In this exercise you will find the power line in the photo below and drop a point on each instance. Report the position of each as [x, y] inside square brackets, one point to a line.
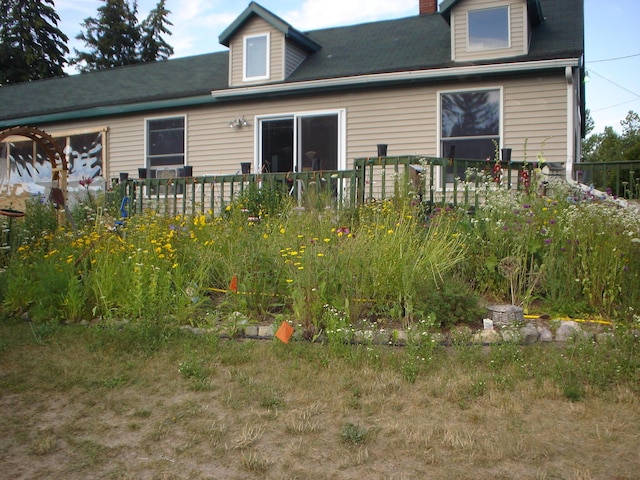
[616, 105]
[613, 83]
[614, 58]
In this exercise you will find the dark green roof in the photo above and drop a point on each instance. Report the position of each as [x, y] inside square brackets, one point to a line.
[413, 43]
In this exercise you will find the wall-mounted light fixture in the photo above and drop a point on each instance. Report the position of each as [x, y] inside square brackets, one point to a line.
[238, 123]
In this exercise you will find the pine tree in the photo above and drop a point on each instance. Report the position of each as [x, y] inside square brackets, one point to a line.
[153, 46]
[113, 38]
[32, 46]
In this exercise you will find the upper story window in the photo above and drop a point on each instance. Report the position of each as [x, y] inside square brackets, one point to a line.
[256, 57]
[165, 142]
[488, 28]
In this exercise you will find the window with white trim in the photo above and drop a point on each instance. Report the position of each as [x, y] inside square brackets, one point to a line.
[488, 28]
[256, 57]
[165, 142]
[470, 122]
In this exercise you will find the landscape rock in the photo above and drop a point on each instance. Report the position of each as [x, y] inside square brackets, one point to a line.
[544, 335]
[265, 331]
[486, 336]
[529, 334]
[566, 330]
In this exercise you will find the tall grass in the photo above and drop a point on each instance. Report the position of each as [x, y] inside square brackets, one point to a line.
[384, 261]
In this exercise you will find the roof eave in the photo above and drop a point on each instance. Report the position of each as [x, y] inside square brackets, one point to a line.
[391, 78]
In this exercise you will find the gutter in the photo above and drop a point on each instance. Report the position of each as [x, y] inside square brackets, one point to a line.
[395, 77]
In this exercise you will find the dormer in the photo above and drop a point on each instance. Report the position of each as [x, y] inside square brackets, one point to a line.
[263, 48]
[490, 29]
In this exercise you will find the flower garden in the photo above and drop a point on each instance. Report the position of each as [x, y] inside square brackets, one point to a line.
[322, 269]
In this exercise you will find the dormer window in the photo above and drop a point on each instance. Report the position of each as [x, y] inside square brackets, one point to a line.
[488, 28]
[256, 57]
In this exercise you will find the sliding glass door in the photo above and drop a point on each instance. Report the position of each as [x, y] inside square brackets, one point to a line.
[301, 142]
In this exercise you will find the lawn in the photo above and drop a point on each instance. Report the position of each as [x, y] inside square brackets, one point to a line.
[158, 402]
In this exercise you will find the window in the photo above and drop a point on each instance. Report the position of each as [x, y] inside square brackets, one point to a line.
[165, 142]
[470, 121]
[302, 142]
[256, 57]
[488, 28]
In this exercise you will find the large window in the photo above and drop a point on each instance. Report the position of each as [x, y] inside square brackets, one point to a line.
[165, 142]
[256, 57]
[488, 28]
[470, 121]
[301, 142]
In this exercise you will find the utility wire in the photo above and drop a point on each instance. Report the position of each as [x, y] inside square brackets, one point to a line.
[612, 59]
[614, 83]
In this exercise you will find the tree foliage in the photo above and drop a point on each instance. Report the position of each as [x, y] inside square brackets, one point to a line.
[610, 146]
[153, 45]
[32, 47]
[115, 37]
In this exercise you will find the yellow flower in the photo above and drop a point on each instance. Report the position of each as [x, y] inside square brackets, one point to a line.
[282, 230]
[289, 280]
[321, 254]
[265, 235]
[327, 240]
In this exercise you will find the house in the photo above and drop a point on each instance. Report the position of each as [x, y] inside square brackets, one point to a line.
[469, 74]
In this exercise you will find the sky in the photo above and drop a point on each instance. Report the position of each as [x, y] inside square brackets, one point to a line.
[612, 36]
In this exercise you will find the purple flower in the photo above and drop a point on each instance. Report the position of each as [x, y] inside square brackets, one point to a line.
[547, 241]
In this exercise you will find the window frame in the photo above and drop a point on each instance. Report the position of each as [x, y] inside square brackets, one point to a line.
[147, 131]
[245, 57]
[479, 48]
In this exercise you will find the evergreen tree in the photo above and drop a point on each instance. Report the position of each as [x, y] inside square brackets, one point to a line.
[113, 38]
[153, 46]
[32, 46]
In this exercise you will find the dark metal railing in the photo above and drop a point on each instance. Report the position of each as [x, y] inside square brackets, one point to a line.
[621, 179]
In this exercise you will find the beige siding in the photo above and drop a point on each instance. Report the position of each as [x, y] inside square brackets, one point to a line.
[535, 111]
[518, 34]
[404, 118]
[294, 56]
[257, 26]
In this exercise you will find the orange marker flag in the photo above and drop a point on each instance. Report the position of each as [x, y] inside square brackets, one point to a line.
[284, 332]
[233, 286]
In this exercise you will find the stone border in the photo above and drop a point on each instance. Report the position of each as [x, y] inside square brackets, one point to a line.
[527, 334]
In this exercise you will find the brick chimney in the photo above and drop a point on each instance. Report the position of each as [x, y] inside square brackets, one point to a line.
[428, 7]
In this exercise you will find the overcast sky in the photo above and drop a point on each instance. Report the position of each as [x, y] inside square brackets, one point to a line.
[612, 38]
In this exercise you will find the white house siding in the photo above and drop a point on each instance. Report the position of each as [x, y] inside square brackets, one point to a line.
[257, 26]
[518, 34]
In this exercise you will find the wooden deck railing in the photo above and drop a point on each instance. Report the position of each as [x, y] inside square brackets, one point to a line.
[459, 182]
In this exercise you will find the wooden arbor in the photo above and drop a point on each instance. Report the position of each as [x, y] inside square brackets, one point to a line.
[56, 156]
